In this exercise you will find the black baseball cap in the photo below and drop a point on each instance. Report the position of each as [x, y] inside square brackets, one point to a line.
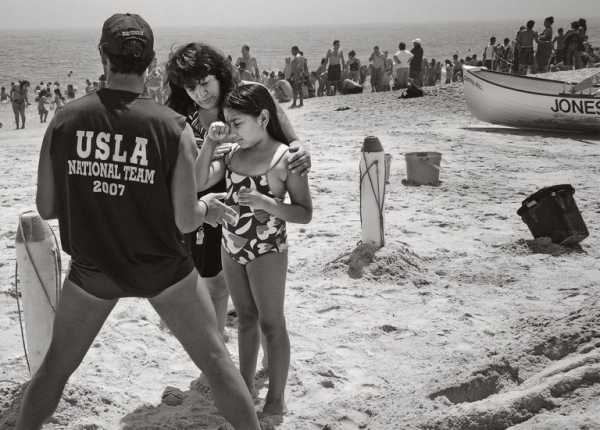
[124, 27]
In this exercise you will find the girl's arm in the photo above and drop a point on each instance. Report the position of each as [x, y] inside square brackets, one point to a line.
[298, 211]
[189, 212]
[209, 172]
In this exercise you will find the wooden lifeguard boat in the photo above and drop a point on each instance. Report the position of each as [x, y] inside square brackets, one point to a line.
[534, 103]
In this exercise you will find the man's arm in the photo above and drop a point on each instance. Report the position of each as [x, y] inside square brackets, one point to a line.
[45, 198]
[256, 71]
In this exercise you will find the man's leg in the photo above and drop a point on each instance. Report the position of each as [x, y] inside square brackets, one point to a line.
[23, 115]
[78, 320]
[294, 94]
[16, 113]
[187, 310]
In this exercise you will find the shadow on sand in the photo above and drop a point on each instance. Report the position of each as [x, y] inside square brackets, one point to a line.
[192, 409]
[590, 138]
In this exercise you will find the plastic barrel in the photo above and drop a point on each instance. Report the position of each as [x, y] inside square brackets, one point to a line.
[552, 212]
[423, 168]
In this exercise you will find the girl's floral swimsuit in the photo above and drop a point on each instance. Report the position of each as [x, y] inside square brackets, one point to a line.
[252, 237]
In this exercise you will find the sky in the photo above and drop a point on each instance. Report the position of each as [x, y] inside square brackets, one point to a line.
[223, 13]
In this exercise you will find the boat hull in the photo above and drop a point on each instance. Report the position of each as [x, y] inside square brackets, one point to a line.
[491, 99]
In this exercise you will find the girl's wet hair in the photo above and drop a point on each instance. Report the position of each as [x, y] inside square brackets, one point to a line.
[251, 99]
[187, 65]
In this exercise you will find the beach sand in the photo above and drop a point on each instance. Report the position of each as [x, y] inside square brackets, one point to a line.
[460, 322]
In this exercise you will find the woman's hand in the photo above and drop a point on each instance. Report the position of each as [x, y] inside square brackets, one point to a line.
[253, 199]
[298, 159]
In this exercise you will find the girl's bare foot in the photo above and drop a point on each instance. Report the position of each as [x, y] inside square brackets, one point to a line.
[277, 407]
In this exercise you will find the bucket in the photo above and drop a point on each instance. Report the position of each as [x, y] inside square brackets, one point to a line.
[552, 212]
[423, 168]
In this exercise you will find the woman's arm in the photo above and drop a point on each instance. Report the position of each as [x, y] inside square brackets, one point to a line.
[298, 157]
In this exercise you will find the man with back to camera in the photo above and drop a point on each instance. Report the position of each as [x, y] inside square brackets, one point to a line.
[117, 170]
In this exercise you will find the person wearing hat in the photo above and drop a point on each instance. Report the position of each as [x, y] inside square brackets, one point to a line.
[117, 170]
[416, 63]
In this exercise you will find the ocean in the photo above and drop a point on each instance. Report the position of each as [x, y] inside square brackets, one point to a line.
[48, 55]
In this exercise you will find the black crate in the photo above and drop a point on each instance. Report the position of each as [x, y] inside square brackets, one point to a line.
[552, 212]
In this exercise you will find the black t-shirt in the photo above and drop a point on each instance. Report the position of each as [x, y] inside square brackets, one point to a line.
[113, 155]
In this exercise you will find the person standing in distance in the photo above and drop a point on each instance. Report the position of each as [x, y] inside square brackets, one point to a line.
[122, 223]
[336, 63]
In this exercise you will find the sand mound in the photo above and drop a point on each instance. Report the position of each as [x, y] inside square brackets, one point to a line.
[77, 402]
[387, 264]
[561, 361]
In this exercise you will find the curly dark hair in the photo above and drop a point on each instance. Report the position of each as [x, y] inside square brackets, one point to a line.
[251, 99]
[191, 63]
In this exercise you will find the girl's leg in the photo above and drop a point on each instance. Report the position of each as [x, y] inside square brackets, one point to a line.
[248, 334]
[267, 276]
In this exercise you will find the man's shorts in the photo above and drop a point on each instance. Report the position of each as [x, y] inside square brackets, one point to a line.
[525, 56]
[100, 285]
[334, 73]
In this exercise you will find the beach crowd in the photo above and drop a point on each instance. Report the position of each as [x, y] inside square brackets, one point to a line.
[407, 69]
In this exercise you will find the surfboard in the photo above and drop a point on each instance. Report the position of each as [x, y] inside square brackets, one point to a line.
[39, 282]
[372, 191]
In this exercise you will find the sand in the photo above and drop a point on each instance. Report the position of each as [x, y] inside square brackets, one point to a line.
[460, 322]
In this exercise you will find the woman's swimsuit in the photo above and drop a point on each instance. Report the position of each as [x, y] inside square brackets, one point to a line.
[251, 237]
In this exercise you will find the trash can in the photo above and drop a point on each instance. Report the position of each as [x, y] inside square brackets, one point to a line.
[552, 212]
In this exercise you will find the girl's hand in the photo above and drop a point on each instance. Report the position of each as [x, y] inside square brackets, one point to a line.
[261, 216]
[253, 199]
[298, 159]
[217, 133]
[221, 151]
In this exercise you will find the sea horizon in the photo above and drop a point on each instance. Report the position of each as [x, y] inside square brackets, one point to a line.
[49, 54]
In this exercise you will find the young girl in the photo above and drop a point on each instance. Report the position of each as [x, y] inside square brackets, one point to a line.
[43, 105]
[254, 246]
